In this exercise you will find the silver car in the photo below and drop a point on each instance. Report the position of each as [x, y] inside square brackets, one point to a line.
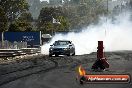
[62, 47]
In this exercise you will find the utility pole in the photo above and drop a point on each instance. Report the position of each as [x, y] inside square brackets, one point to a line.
[2, 40]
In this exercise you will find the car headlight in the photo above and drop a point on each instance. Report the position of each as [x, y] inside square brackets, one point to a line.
[65, 49]
[51, 49]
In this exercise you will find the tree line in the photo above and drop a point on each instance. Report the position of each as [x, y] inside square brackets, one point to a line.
[15, 16]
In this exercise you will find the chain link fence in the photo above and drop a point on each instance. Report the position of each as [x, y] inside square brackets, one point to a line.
[14, 45]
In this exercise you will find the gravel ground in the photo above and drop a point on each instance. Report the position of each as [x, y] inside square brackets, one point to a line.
[61, 72]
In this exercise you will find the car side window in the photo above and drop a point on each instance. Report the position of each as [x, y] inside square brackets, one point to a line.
[56, 43]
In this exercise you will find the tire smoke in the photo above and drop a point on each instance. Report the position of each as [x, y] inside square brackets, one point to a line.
[116, 35]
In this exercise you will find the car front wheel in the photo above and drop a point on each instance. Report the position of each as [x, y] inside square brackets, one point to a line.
[50, 55]
[68, 54]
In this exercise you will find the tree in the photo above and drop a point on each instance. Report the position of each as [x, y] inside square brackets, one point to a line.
[45, 20]
[3, 20]
[130, 3]
[26, 16]
[72, 17]
[13, 8]
[75, 1]
[14, 27]
[85, 13]
[23, 23]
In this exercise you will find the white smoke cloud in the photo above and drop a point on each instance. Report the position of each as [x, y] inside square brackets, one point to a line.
[116, 36]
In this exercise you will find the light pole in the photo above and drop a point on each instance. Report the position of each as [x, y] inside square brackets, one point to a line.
[2, 39]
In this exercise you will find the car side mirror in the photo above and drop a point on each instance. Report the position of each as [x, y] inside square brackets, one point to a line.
[70, 45]
[51, 45]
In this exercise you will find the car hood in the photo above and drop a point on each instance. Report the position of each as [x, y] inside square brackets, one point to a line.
[64, 46]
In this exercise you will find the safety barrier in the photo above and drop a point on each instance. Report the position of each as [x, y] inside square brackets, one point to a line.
[18, 52]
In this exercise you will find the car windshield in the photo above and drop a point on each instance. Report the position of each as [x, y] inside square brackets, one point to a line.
[61, 43]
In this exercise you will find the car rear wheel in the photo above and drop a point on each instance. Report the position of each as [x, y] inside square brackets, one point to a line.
[73, 54]
[56, 55]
